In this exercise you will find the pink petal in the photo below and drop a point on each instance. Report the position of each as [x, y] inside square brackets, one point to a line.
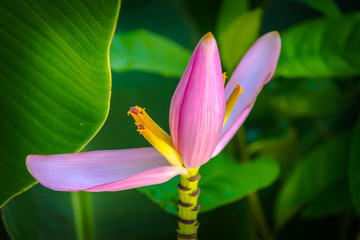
[198, 106]
[253, 72]
[177, 99]
[111, 170]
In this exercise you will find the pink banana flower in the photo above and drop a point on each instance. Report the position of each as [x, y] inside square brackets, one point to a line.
[202, 122]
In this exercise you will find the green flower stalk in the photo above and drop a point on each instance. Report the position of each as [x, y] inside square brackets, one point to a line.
[188, 206]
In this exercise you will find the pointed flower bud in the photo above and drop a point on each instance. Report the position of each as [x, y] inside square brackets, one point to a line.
[198, 105]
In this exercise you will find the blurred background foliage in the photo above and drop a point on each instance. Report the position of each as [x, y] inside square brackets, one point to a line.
[291, 172]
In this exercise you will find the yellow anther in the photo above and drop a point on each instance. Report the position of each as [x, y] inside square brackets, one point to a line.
[141, 127]
[230, 103]
[141, 117]
[224, 77]
[155, 135]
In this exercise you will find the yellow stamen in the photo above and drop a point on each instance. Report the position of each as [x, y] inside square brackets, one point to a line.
[155, 135]
[224, 77]
[230, 103]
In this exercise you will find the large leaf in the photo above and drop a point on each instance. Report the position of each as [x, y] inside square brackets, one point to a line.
[55, 80]
[237, 37]
[146, 51]
[320, 169]
[223, 181]
[325, 47]
[354, 167]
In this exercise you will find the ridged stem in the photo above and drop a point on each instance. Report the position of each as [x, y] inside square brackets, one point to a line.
[188, 206]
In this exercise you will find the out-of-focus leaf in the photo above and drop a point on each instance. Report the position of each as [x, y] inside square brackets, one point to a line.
[43, 214]
[332, 200]
[38, 214]
[238, 36]
[354, 167]
[223, 181]
[236, 222]
[201, 13]
[129, 89]
[229, 11]
[327, 7]
[282, 148]
[283, 14]
[320, 169]
[55, 80]
[142, 50]
[3, 234]
[160, 16]
[305, 97]
[327, 47]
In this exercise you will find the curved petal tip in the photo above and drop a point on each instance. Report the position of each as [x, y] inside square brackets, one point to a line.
[253, 72]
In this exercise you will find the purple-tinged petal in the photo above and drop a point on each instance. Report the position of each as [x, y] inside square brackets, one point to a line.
[253, 72]
[149, 177]
[111, 170]
[225, 138]
[198, 106]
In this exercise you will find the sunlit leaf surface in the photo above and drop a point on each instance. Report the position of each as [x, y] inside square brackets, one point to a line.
[55, 80]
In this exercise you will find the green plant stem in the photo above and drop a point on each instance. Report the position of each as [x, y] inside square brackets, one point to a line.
[254, 203]
[188, 206]
[83, 216]
[258, 215]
